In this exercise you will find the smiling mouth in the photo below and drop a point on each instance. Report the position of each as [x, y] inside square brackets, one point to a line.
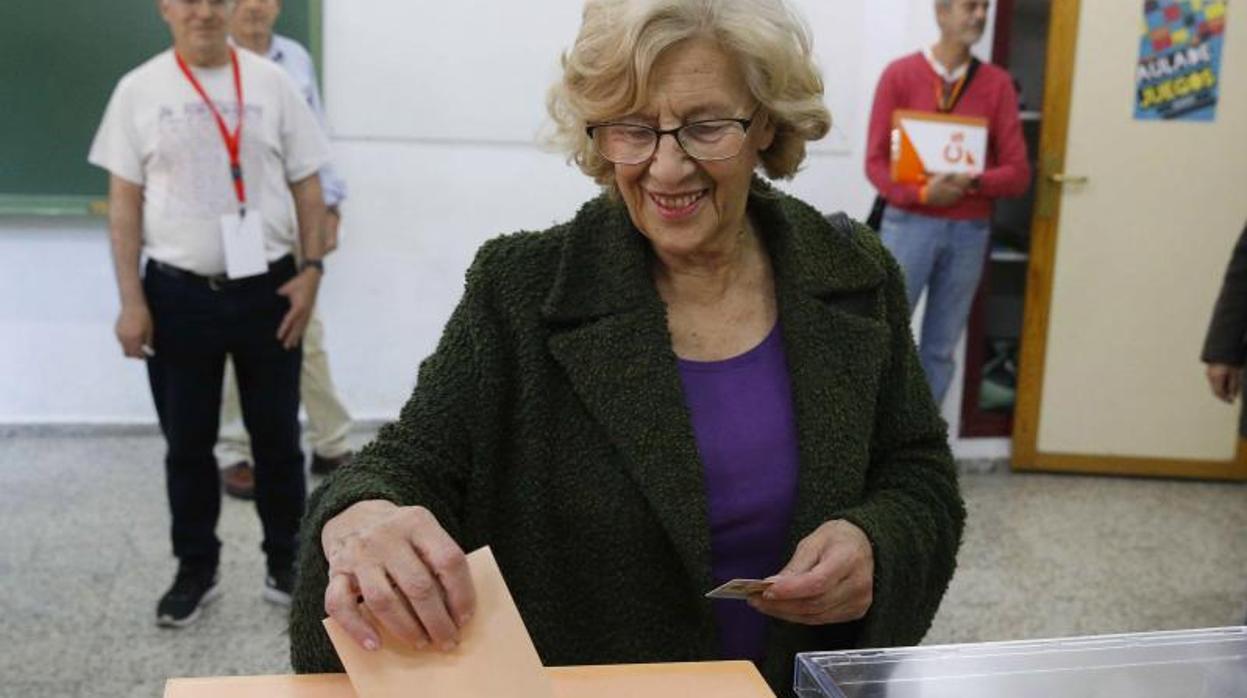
[677, 205]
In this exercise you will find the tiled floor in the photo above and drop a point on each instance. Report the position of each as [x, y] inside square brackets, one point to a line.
[84, 555]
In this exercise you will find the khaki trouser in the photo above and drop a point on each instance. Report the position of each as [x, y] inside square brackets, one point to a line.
[328, 420]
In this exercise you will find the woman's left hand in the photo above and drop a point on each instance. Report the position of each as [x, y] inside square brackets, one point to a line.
[830, 578]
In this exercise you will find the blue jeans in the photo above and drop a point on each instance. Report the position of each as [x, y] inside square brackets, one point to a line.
[195, 327]
[946, 258]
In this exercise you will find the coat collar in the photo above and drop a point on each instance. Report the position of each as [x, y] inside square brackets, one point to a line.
[608, 331]
[604, 266]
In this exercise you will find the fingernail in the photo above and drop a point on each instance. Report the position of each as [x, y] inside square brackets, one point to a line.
[768, 595]
[465, 619]
[370, 644]
[449, 646]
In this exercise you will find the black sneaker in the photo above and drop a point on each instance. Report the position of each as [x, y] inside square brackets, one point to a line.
[181, 604]
[278, 586]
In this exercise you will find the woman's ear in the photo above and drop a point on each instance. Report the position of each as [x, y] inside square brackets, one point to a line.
[766, 134]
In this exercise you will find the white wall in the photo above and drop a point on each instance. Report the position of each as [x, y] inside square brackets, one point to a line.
[435, 107]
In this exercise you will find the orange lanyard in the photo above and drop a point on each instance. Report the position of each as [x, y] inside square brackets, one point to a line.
[946, 97]
[233, 141]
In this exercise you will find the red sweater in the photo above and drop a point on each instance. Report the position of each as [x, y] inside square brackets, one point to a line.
[909, 83]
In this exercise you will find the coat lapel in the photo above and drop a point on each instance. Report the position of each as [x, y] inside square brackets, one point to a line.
[828, 287]
[834, 362]
[609, 334]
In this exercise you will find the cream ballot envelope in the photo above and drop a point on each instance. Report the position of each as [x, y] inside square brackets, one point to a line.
[495, 656]
[926, 143]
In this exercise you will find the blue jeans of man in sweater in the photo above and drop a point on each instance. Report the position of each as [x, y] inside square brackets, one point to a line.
[946, 258]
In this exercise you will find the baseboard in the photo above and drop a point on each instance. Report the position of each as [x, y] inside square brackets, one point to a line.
[121, 429]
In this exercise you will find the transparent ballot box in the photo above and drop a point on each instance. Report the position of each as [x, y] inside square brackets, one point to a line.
[1209, 663]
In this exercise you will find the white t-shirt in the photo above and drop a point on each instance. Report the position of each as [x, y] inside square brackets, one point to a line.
[158, 133]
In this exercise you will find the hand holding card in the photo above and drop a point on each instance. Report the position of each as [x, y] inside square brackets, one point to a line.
[739, 589]
[830, 578]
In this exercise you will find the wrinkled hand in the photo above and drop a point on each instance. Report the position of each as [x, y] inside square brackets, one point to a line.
[134, 331]
[1226, 381]
[333, 220]
[947, 189]
[411, 575]
[301, 292]
[830, 578]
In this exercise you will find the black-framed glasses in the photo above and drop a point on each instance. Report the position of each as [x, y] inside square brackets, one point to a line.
[705, 140]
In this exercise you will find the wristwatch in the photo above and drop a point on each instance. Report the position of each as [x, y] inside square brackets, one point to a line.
[317, 264]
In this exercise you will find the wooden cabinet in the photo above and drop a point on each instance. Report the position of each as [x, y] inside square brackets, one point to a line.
[994, 330]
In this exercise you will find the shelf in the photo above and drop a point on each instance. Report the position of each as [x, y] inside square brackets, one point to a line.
[1009, 256]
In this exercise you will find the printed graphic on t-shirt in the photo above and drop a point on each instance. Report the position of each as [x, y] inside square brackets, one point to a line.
[199, 182]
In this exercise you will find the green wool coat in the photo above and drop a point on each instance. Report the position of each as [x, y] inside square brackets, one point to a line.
[550, 424]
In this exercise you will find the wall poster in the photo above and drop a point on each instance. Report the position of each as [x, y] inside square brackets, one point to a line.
[1179, 71]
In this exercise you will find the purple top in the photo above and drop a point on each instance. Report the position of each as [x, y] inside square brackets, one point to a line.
[746, 433]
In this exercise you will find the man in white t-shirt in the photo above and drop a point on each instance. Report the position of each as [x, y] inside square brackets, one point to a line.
[207, 147]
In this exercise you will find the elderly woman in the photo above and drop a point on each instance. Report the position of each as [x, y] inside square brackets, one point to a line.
[697, 378]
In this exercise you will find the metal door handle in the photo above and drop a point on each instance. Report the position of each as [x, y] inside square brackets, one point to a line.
[1062, 178]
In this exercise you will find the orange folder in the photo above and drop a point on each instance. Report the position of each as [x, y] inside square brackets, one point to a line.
[926, 143]
[683, 680]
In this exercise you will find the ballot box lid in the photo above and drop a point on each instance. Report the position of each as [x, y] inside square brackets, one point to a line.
[1206, 663]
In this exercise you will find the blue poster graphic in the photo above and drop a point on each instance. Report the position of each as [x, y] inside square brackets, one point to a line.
[1179, 71]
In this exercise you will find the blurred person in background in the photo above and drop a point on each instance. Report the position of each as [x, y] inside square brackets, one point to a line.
[328, 421]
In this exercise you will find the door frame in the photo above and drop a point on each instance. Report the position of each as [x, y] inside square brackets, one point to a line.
[1058, 86]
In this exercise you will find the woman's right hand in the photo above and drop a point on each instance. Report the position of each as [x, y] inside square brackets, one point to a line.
[401, 565]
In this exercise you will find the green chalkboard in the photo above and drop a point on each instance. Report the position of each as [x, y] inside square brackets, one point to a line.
[59, 62]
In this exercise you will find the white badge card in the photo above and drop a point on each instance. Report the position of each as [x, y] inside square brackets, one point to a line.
[243, 237]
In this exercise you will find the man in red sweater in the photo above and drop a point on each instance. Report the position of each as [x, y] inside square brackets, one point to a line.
[939, 231]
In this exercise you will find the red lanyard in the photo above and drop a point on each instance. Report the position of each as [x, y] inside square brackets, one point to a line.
[233, 142]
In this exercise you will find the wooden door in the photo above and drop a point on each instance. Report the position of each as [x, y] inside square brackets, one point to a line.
[1125, 265]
